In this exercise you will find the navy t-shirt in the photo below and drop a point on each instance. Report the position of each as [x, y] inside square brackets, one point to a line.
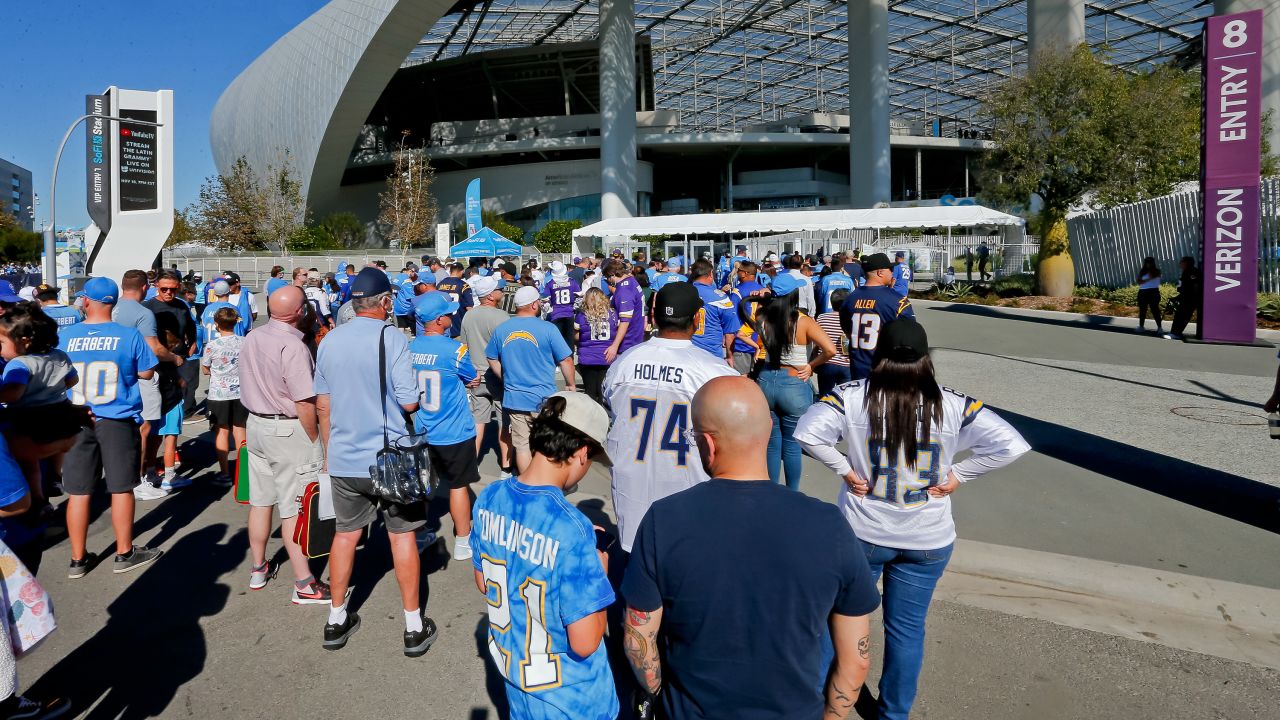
[745, 612]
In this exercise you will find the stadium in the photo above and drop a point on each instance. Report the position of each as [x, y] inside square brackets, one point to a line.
[573, 110]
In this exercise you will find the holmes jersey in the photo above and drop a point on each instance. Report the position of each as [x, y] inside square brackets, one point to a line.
[441, 366]
[866, 311]
[648, 390]
[537, 554]
[108, 358]
[716, 319]
[898, 511]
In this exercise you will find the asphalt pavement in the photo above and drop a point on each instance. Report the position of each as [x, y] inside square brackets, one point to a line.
[1122, 487]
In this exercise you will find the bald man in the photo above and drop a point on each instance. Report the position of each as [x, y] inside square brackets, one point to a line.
[283, 436]
[749, 616]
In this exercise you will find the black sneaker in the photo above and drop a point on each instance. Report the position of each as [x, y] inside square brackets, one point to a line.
[18, 707]
[78, 568]
[416, 644]
[139, 556]
[336, 636]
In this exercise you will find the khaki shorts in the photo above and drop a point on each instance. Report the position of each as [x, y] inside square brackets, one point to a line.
[485, 402]
[519, 424]
[282, 460]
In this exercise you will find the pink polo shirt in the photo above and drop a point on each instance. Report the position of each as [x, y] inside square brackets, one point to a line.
[276, 370]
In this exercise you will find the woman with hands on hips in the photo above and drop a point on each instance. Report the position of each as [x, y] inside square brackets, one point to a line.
[902, 431]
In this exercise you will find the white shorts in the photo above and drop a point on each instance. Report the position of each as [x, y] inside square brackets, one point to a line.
[151, 405]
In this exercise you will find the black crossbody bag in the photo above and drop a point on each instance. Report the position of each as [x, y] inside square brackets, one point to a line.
[402, 472]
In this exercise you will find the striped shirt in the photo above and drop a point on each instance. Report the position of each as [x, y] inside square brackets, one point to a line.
[830, 324]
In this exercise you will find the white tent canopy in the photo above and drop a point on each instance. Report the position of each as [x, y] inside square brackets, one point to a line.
[941, 216]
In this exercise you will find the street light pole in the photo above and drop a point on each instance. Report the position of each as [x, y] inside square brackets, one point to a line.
[50, 233]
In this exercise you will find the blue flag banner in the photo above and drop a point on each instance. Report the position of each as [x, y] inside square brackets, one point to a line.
[473, 208]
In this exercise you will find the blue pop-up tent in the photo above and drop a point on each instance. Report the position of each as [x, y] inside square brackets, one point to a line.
[485, 243]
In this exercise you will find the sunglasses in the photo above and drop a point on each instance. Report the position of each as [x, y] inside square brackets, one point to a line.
[166, 289]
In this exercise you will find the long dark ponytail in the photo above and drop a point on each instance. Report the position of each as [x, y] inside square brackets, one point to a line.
[775, 321]
[904, 404]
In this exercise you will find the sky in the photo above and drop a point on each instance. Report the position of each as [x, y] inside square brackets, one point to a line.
[57, 51]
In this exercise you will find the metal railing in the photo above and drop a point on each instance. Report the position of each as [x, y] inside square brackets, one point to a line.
[1108, 246]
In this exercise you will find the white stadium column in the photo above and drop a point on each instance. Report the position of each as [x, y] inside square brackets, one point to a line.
[1053, 25]
[868, 102]
[617, 109]
[1270, 55]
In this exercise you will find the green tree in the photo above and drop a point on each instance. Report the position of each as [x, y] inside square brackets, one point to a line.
[284, 210]
[408, 209]
[227, 213]
[182, 232]
[556, 236]
[344, 229]
[498, 224]
[311, 237]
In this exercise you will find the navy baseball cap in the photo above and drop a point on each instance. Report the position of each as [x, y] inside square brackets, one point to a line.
[103, 290]
[7, 294]
[370, 282]
[431, 305]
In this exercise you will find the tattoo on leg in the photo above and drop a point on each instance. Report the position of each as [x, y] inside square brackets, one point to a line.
[864, 647]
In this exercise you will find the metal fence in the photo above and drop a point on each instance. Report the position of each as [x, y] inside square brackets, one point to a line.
[1108, 245]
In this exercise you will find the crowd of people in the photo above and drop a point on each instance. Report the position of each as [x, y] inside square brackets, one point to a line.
[696, 384]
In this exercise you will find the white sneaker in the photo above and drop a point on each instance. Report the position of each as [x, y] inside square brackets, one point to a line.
[462, 547]
[147, 491]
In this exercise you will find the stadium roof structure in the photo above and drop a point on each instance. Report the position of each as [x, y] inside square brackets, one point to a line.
[727, 64]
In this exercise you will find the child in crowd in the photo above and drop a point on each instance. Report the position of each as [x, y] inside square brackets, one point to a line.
[597, 324]
[221, 362]
[40, 422]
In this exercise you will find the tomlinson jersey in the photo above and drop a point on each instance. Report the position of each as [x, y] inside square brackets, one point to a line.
[562, 292]
[442, 369]
[865, 313]
[648, 390]
[716, 319]
[537, 554]
[898, 511]
[108, 358]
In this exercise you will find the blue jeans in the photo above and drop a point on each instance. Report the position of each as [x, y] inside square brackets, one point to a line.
[830, 376]
[909, 579]
[788, 398]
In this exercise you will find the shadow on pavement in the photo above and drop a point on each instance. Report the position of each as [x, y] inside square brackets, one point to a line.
[1218, 492]
[1087, 322]
[152, 642]
[494, 684]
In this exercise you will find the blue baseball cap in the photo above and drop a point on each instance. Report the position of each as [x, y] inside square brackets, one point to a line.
[7, 294]
[429, 306]
[103, 290]
[673, 264]
[784, 284]
[369, 282]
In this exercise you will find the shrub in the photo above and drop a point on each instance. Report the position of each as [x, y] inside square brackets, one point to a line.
[1080, 305]
[556, 236]
[1092, 292]
[1269, 306]
[1015, 286]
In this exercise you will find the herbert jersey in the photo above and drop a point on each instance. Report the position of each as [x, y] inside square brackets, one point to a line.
[108, 358]
[537, 554]
[442, 369]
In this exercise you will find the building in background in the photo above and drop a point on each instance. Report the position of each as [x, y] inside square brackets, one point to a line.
[16, 194]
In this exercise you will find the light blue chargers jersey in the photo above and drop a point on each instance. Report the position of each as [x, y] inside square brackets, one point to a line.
[666, 277]
[538, 557]
[529, 350]
[716, 319]
[403, 304]
[62, 314]
[442, 368]
[831, 283]
[208, 329]
[108, 358]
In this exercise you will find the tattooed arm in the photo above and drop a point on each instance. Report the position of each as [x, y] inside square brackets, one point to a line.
[640, 639]
[852, 639]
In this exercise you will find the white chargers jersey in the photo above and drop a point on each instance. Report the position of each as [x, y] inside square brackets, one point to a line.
[898, 511]
[648, 390]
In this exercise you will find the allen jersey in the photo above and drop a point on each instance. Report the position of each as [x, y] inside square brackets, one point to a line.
[537, 554]
[898, 511]
[715, 319]
[442, 369]
[865, 313]
[107, 357]
[648, 390]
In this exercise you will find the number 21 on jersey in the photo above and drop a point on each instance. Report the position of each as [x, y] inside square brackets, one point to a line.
[539, 668]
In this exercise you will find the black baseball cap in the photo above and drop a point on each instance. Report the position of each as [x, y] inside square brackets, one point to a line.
[678, 299]
[903, 340]
[45, 290]
[231, 277]
[876, 261]
[370, 282]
